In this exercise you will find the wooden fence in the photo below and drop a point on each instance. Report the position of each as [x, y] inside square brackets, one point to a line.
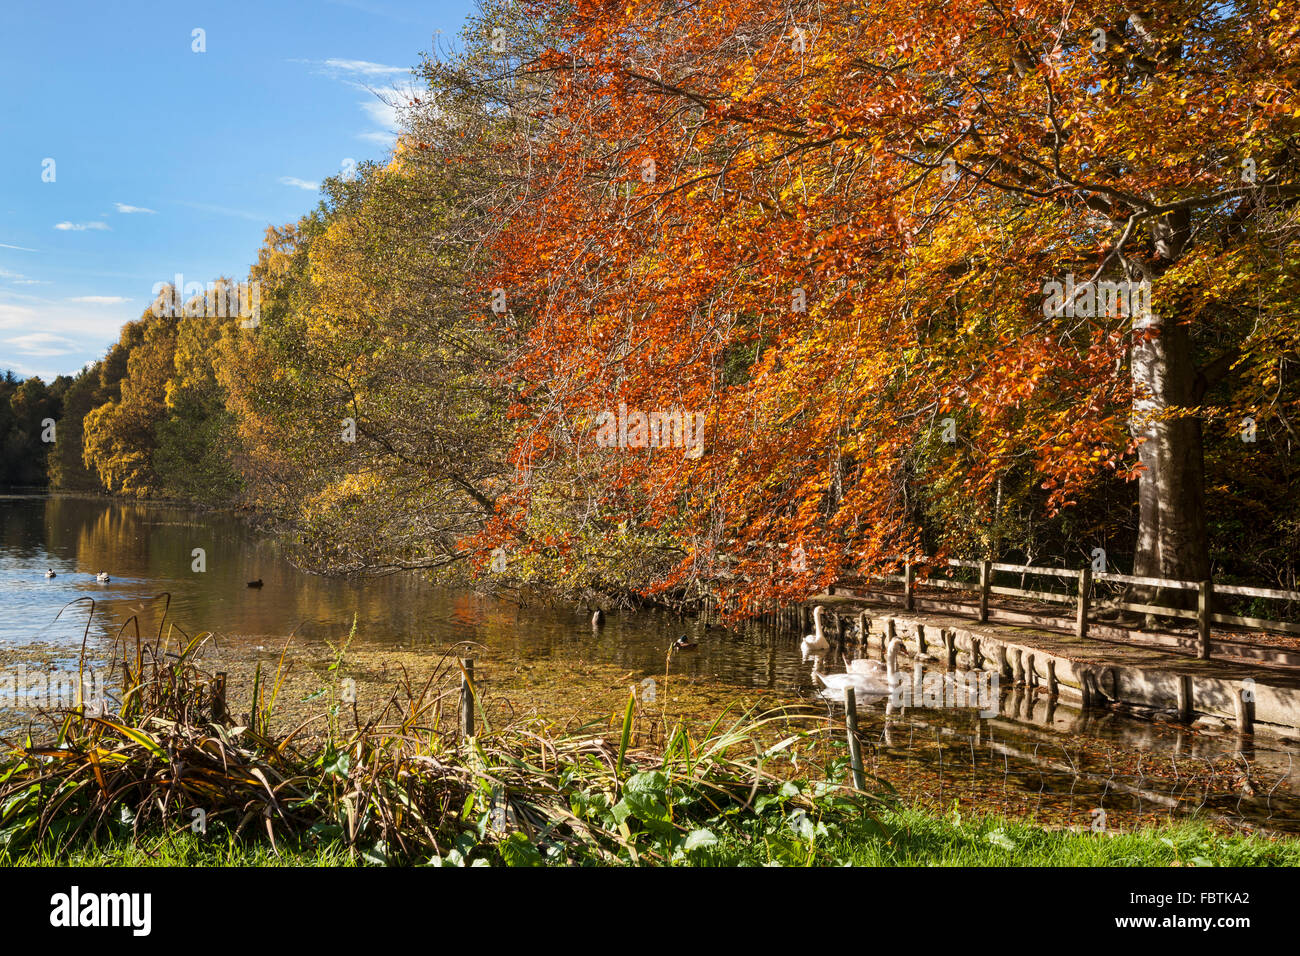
[1085, 602]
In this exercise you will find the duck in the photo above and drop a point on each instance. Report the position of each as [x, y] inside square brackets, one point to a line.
[102, 577]
[597, 618]
[683, 643]
[255, 584]
[865, 679]
[816, 642]
[50, 573]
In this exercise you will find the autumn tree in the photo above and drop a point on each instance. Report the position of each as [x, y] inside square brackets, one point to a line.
[835, 227]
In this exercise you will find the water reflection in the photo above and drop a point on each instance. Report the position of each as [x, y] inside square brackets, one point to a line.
[1033, 755]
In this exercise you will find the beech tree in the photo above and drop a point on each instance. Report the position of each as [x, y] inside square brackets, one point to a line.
[833, 226]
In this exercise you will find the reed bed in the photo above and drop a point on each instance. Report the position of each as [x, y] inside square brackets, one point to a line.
[403, 785]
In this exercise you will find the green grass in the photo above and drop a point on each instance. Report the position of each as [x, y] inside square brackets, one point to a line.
[916, 838]
[187, 851]
[903, 837]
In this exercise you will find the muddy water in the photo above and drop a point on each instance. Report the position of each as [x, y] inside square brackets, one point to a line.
[1035, 758]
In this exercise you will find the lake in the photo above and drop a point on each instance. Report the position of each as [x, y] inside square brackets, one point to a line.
[1037, 758]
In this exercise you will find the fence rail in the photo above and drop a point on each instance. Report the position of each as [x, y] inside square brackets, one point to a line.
[1085, 602]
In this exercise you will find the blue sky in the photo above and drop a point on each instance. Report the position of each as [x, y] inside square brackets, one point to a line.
[171, 161]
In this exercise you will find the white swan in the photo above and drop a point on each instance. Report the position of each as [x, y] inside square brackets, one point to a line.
[864, 666]
[102, 577]
[816, 642]
[865, 679]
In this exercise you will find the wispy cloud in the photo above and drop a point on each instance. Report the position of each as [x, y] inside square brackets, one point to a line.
[391, 89]
[87, 331]
[125, 209]
[100, 299]
[300, 183]
[41, 345]
[5, 245]
[336, 66]
[81, 226]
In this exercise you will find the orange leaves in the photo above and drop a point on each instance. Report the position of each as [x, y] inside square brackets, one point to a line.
[842, 257]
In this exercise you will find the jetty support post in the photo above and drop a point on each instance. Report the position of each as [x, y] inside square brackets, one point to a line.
[1244, 701]
[1185, 698]
[909, 581]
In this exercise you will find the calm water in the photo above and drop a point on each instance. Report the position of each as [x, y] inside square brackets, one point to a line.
[147, 549]
[1035, 758]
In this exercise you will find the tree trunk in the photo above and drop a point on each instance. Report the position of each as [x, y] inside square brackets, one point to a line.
[1172, 541]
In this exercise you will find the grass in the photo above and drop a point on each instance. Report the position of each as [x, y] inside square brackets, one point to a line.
[915, 838]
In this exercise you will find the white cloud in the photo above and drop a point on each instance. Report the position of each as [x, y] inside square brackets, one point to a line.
[125, 209]
[81, 226]
[42, 345]
[385, 103]
[31, 282]
[336, 65]
[300, 183]
[87, 332]
[100, 299]
[5, 245]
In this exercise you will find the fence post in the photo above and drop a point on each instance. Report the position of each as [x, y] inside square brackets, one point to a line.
[985, 573]
[855, 748]
[909, 578]
[1085, 591]
[1204, 601]
[467, 696]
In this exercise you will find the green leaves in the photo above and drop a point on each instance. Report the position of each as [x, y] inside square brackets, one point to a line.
[645, 797]
[518, 850]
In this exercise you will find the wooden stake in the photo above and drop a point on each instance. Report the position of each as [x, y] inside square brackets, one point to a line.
[855, 748]
[467, 696]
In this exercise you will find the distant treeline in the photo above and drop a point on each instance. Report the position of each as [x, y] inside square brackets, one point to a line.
[26, 408]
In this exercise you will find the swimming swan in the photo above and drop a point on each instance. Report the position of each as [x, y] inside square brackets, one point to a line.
[816, 642]
[864, 679]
